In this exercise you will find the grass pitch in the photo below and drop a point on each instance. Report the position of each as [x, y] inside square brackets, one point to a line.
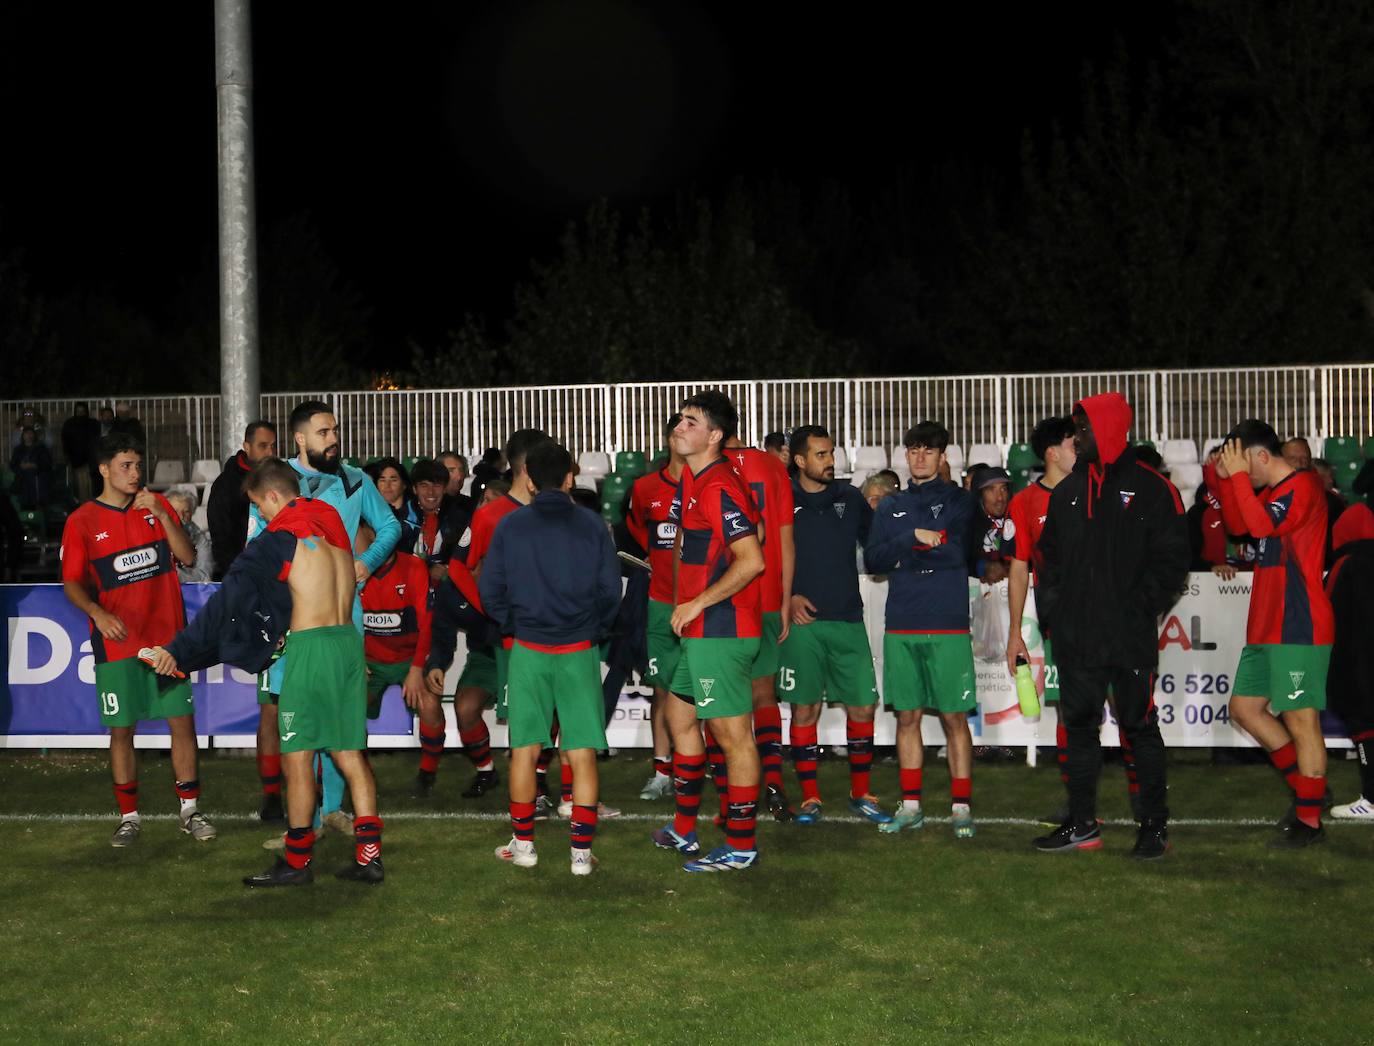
[839, 935]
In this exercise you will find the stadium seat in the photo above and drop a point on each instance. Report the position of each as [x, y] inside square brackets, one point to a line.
[954, 454]
[660, 455]
[169, 472]
[981, 454]
[1186, 475]
[841, 462]
[1021, 478]
[1346, 471]
[201, 517]
[1179, 452]
[1020, 456]
[1368, 449]
[593, 463]
[870, 459]
[859, 476]
[409, 463]
[357, 463]
[1188, 495]
[613, 490]
[205, 471]
[32, 522]
[585, 482]
[1144, 443]
[1340, 449]
[630, 463]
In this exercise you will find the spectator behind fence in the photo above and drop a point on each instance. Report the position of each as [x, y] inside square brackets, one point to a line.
[878, 486]
[1208, 540]
[126, 422]
[776, 444]
[227, 505]
[29, 418]
[31, 463]
[183, 500]
[79, 433]
[1335, 503]
[987, 559]
[457, 467]
[1298, 453]
[492, 466]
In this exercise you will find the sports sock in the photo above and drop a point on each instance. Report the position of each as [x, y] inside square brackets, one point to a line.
[742, 817]
[804, 755]
[188, 792]
[1128, 762]
[715, 755]
[960, 790]
[541, 771]
[477, 745]
[1285, 761]
[768, 740]
[565, 771]
[859, 737]
[688, 771]
[300, 843]
[663, 766]
[1061, 750]
[269, 773]
[126, 795]
[583, 827]
[1310, 792]
[1364, 745]
[910, 781]
[431, 748]
[522, 821]
[367, 838]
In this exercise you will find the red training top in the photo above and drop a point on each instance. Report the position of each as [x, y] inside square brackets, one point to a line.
[1025, 522]
[473, 545]
[396, 615]
[310, 517]
[651, 503]
[714, 510]
[771, 486]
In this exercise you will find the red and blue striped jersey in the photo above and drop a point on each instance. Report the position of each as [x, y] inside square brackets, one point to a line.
[651, 502]
[396, 616]
[713, 510]
[768, 481]
[1287, 602]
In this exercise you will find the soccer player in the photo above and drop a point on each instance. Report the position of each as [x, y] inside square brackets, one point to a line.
[119, 556]
[322, 476]
[1291, 627]
[443, 519]
[551, 580]
[919, 539]
[396, 627]
[651, 501]
[1114, 555]
[717, 616]
[767, 479]
[826, 655]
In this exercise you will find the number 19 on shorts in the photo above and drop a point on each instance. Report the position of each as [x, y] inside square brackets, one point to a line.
[109, 703]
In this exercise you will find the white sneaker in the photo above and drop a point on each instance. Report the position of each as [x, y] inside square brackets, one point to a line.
[519, 853]
[657, 787]
[603, 812]
[582, 862]
[1360, 810]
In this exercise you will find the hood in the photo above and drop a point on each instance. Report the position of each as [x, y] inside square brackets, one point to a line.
[1111, 417]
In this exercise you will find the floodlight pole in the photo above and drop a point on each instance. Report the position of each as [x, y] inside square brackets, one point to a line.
[240, 383]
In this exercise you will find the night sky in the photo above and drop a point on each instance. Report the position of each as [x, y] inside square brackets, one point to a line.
[439, 147]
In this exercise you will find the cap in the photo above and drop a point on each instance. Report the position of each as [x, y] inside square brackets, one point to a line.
[987, 477]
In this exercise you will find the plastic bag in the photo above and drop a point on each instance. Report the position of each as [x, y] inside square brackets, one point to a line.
[991, 625]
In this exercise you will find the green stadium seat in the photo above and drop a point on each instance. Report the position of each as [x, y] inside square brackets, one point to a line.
[1369, 448]
[1337, 449]
[32, 522]
[614, 488]
[661, 454]
[357, 463]
[1144, 443]
[1020, 456]
[1346, 471]
[1020, 479]
[409, 463]
[630, 463]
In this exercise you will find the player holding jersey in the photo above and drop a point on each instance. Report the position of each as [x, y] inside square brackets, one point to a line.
[1291, 627]
[119, 557]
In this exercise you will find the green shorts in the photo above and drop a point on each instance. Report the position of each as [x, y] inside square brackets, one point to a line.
[664, 646]
[131, 692]
[1051, 676]
[766, 660]
[1290, 675]
[502, 683]
[479, 671]
[543, 684]
[928, 670]
[265, 695]
[380, 676]
[828, 660]
[323, 702]
[714, 674]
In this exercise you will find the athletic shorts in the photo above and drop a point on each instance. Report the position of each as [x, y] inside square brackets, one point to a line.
[266, 695]
[131, 692]
[766, 660]
[714, 674]
[479, 671]
[827, 660]
[542, 684]
[323, 702]
[930, 671]
[503, 677]
[1290, 675]
[664, 646]
[1051, 676]
[380, 676]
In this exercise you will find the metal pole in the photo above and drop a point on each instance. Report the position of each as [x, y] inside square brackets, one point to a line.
[240, 384]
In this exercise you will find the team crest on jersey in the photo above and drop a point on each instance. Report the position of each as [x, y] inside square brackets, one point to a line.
[935, 510]
[1009, 530]
[466, 539]
[150, 521]
[839, 509]
[400, 590]
[1126, 497]
[706, 685]
[1296, 677]
[287, 718]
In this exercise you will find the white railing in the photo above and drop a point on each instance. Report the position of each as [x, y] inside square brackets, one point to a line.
[1317, 401]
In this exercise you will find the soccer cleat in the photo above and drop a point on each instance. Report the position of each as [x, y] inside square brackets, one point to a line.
[337, 821]
[811, 811]
[483, 783]
[543, 808]
[582, 862]
[1296, 836]
[371, 873]
[1360, 810]
[900, 821]
[423, 788]
[603, 812]
[127, 833]
[519, 853]
[667, 839]
[962, 821]
[867, 806]
[271, 811]
[281, 874]
[1152, 840]
[1054, 820]
[1291, 816]
[1136, 815]
[723, 859]
[1071, 835]
[657, 787]
[777, 805]
[198, 827]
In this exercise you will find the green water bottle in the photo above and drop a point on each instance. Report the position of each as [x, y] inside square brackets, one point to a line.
[1025, 691]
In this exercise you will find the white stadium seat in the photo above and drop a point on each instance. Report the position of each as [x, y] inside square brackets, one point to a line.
[982, 454]
[594, 464]
[586, 482]
[169, 472]
[954, 454]
[205, 471]
[1179, 452]
[872, 459]
[1188, 496]
[201, 517]
[1186, 476]
[860, 475]
[841, 462]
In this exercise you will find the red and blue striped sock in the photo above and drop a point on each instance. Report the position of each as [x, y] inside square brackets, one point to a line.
[431, 747]
[715, 755]
[522, 821]
[688, 771]
[565, 772]
[804, 756]
[768, 740]
[910, 780]
[1311, 791]
[742, 817]
[269, 773]
[859, 737]
[300, 845]
[583, 827]
[1285, 760]
[367, 838]
[126, 795]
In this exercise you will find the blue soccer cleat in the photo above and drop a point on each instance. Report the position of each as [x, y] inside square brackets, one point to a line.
[810, 812]
[867, 806]
[723, 859]
[667, 839]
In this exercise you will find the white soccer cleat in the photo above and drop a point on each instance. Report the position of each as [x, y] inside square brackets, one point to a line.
[1360, 810]
[519, 853]
[583, 863]
[657, 787]
[603, 812]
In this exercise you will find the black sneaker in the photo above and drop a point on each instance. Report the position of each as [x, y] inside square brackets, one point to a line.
[1297, 835]
[1071, 835]
[777, 804]
[424, 785]
[371, 873]
[1152, 840]
[281, 874]
[483, 783]
[1291, 816]
[271, 811]
[1060, 816]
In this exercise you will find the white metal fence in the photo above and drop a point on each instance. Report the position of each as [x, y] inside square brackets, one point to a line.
[983, 408]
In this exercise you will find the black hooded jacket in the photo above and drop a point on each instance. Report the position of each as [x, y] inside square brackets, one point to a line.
[1116, 552]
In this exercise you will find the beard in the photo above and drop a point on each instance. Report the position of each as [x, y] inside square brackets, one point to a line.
[323, 461]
